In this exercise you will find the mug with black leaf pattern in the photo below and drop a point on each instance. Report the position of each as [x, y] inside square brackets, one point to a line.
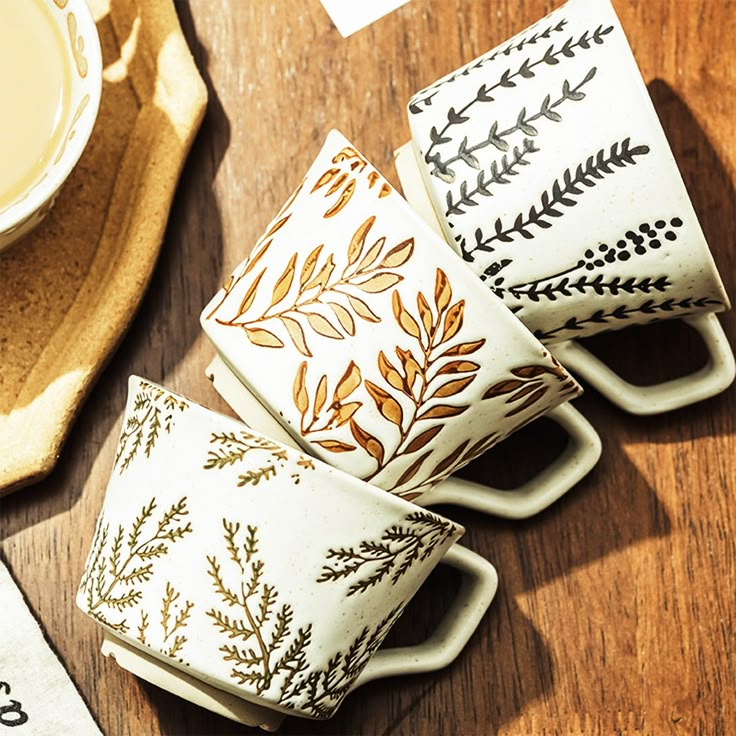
[379, 352]
[545, 166]
[254, 580]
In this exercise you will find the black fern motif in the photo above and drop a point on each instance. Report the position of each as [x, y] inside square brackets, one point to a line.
[496, 138]
[424, 98]
[644, 239]
[499, 174]
[560, 195]
[525, 71]
[623, 312]
[321, 690]
[394, 554]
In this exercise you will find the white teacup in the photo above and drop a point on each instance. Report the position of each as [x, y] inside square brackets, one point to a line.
[545, 166]
[379, 352]
[255, 580]
[71, 51]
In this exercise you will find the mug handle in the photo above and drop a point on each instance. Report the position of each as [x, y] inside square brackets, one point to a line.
[477, 590]
[710, 380]
[581, 454]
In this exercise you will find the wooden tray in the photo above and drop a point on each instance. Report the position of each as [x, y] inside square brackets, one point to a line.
[68, 291]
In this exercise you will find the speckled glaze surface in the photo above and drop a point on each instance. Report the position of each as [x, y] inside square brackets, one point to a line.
[550, 173]
[370, 340]
[247, 564]
[78, 28]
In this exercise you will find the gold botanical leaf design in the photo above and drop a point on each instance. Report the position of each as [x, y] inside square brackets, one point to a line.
[264, 648]
[337, 181]
[174, 618]
[392, 555]
[318, 297]
[234, 448]
[420, 381]
[528, 386]
[259, 250]
[154, 411]
[115, 572]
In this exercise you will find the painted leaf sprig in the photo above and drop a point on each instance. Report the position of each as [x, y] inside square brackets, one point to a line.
[264, 648]
[114, 575]
[314, 296]
[174, 618]
[424, 98]
[615, 317]
[321, 690]
[528, 387]
[259, 250]
[547, 110]
[561, 194]
[154, 411]
[394, 554]
[511, 77]
[341, 184]
[420, 386]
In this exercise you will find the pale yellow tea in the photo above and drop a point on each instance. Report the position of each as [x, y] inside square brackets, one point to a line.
[35, 89]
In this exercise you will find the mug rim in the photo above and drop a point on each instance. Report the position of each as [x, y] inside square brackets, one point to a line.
[325, 469]
[40, 191]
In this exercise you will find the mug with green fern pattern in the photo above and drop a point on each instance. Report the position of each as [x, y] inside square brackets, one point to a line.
[544, 165]
[353, 332]
[253, 580]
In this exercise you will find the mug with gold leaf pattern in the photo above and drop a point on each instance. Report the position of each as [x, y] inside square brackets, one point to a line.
[254, 580]
[378, 350]
[50, 89]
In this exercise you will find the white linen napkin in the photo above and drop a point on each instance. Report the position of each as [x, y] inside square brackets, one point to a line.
[37, 698]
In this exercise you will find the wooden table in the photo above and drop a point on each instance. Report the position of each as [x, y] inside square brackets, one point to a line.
[616, 608]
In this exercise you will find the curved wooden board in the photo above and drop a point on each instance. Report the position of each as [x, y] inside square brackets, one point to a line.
[69, 290]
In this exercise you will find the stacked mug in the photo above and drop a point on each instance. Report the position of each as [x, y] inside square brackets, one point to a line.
[264, 561]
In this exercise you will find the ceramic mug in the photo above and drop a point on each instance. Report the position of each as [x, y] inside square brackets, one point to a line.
[546, 167]
[258, 571]
[75, 26]
[380, 352]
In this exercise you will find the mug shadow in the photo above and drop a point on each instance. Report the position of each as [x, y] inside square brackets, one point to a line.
[166, 323]
[664, 350]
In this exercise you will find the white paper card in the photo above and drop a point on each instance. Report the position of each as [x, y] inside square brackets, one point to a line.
[350, 16]
[37, 698]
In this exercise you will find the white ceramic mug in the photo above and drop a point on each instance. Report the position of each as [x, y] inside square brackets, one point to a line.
[76, 25]
[253, 579]
[545, 166]
[380, 352]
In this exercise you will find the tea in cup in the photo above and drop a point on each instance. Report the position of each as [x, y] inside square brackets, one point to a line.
[50, 90]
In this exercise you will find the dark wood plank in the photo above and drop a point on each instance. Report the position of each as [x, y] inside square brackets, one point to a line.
[616, 607]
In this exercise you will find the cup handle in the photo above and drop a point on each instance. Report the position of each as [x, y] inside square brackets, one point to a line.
[477, 590]
[581, 454]
[711, 379]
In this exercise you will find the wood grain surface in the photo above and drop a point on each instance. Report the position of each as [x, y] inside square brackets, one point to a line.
[615, 613]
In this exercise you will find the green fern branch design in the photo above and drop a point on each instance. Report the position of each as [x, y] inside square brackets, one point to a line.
[321, 691]
[393, 554]
[624, 312]
[497, 138]
[559, 196]
[265, 647]
[425, 97]
[153, 412]
[233, 449]
[113, 578]
[525, 71]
